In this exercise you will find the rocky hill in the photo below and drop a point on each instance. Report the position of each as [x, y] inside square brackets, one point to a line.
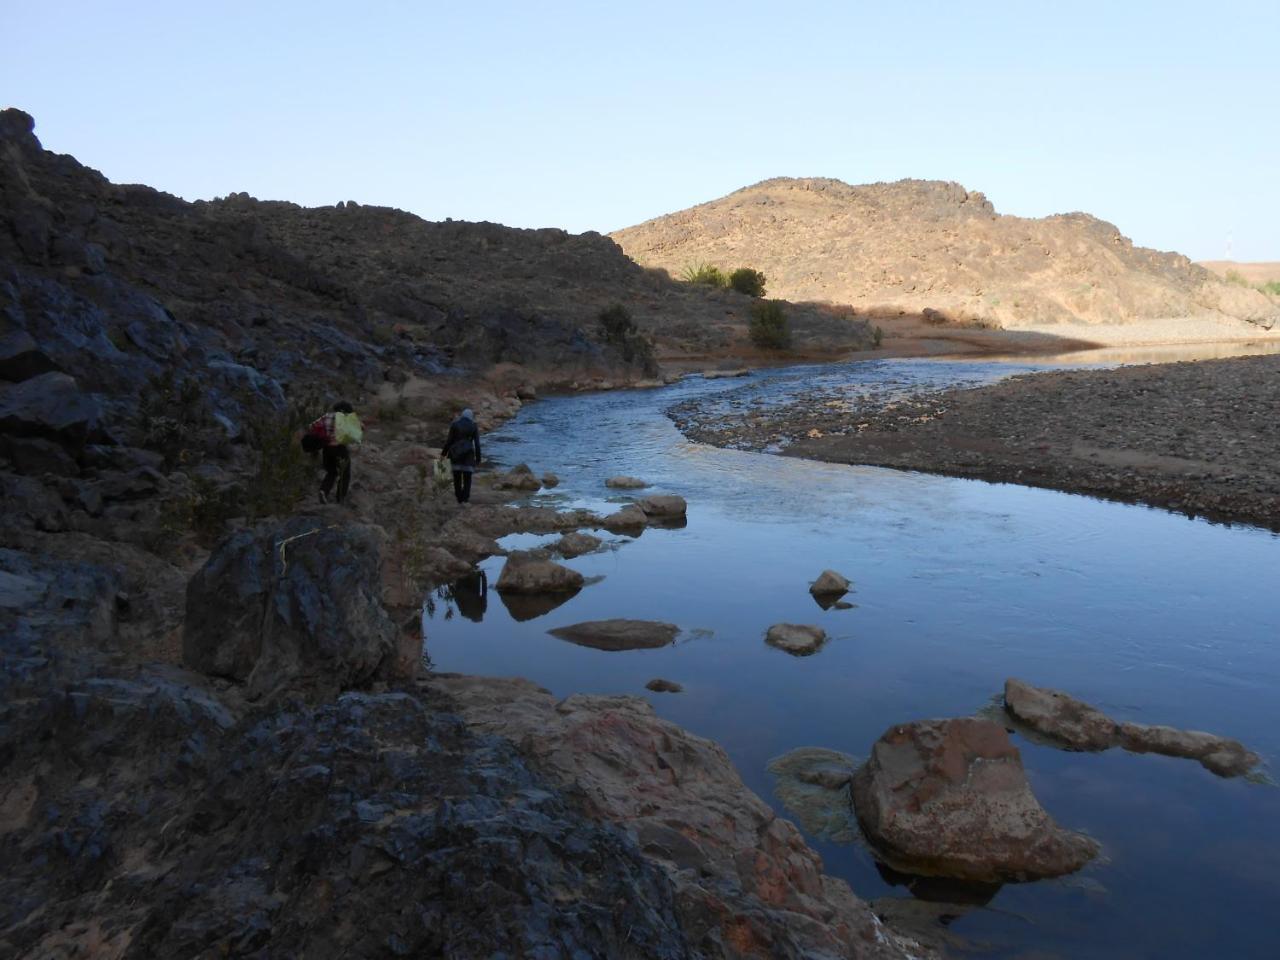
[933, 248]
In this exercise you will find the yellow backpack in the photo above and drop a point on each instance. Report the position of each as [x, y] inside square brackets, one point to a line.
[347, 429]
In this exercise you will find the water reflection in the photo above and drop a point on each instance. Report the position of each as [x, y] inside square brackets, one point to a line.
[529, 606]
[471, 594]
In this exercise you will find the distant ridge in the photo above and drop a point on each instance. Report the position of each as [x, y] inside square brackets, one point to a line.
[934, 248]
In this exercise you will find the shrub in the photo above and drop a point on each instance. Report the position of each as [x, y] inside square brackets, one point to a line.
[769, 327]
[285, 473]
[172, 414]
[705, 274]
[620, 332]
[748, 281]
[876, 336]
[1237, 278]
[1271, 288]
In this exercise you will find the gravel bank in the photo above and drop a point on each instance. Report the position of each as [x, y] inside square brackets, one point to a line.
[1200, 438]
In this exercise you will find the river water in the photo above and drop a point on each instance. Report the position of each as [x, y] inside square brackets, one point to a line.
[958, 584]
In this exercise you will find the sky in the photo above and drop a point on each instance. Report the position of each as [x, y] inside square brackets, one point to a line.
[1159, 117]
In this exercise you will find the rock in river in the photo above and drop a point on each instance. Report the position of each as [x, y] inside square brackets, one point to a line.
[1060, 717]
[667, 507]
[575, 544]
[829, 584]
[526, 575]
[616, 635]
[797, 639]
[949, 798]
[625, 483]
[1220, 755]
[659, 685]
[630, 520]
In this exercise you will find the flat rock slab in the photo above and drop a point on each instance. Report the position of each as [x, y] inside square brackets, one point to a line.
[949, 798]
[1074, 724]
[615, 635]
[797, 639]
[625, 483]
[658, 685]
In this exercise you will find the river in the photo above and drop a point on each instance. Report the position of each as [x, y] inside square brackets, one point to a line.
[958, 584]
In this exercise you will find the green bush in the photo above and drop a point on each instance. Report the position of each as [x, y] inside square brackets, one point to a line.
[285, 472]
[748, 281]
[1237, 278]
[769, 327]
[705, 274]
[1271, 288]
[620, 331]
[876, 336]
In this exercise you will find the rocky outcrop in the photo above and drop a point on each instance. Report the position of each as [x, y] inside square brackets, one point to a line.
[293, 603]
[746, 885]
[797, 639]
[949, 798]
[1066, 721]
[617, 635]
[524, 574]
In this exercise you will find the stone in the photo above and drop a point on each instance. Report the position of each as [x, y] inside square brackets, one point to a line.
[813, 784]
[518, 478]
[1220, 755]
[629, 520]
[521, 574]
[625, 483]
[799, 640]
[1060, 717]
[297, 602]
[665, 507]
[36, 456]
[829, 584]
[49, 405]
[550, 480]
[21, 357]
[725, 374]
[950, 798]
[575, 544]
[658, 685]
[614, 635]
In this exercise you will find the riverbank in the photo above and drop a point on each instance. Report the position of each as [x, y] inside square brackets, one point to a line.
[1197, 438]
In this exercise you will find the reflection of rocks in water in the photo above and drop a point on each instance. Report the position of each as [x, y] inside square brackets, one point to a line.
[471, 595]
[946, 890]
[615, 635]
[813, 784]
[935, 903]
[827, 602]
[529, 606]
[669, 523]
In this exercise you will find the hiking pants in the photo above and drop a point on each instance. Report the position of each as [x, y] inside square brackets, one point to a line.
[337, 466]
[462, 485]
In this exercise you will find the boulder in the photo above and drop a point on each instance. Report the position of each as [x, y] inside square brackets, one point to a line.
[21, 357]
[829, 584]
[667, 507]
[550, 480]
[1060, 717]
[625, 483]
[294, 602]
[949, 798]
[615, 635]
[658, 685]
[799, 640]
[1220, 755]
[522, 574]
[49, 405]
[629, 520]
[575, 544]
[518, 478]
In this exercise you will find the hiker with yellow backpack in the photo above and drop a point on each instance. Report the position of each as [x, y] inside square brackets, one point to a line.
[333, 435]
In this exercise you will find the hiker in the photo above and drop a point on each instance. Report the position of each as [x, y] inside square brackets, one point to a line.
[333, 435]
[463, 450]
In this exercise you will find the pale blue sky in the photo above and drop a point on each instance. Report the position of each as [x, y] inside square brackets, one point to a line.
[1160, 117]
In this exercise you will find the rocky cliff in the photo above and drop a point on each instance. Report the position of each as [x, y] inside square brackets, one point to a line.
[934, 248]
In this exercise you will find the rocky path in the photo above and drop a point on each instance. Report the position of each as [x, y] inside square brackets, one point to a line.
[1199, 438]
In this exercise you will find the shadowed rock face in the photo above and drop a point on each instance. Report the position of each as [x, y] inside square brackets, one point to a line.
[617, 635]
[949, 798]
[297, 602]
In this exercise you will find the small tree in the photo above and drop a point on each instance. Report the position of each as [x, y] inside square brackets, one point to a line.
[620, 331]
[748, 281]
[769, 327]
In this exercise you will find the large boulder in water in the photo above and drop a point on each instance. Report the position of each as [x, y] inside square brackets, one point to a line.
[299, 601]
[830, 584]
[949, 798]
[797, 639]
[664, 507]
[524, 574]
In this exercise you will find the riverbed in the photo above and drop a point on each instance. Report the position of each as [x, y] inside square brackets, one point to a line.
[958, 584]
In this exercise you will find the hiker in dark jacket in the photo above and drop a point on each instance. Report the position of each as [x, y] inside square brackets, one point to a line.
[463, 450]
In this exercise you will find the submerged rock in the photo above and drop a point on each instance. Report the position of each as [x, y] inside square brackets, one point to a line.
[1060, 717]
[293, 602]
[949, 798]
[1220, 755]
[813, 784]
[617, 635]
[658, 685]
[625, 483]
[799, 640]
[522, 574]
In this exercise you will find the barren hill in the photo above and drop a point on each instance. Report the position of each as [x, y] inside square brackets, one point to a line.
[934, 248]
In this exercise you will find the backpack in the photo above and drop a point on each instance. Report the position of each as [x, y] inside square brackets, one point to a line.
[347, 429]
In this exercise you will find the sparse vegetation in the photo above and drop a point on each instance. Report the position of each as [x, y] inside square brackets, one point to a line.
[748, 281]
[171, 412]
[1271, 288]
[1236, 278]
[877, 335]
[620, 332]
[285, 473]
[706, 274]
[769, 327]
